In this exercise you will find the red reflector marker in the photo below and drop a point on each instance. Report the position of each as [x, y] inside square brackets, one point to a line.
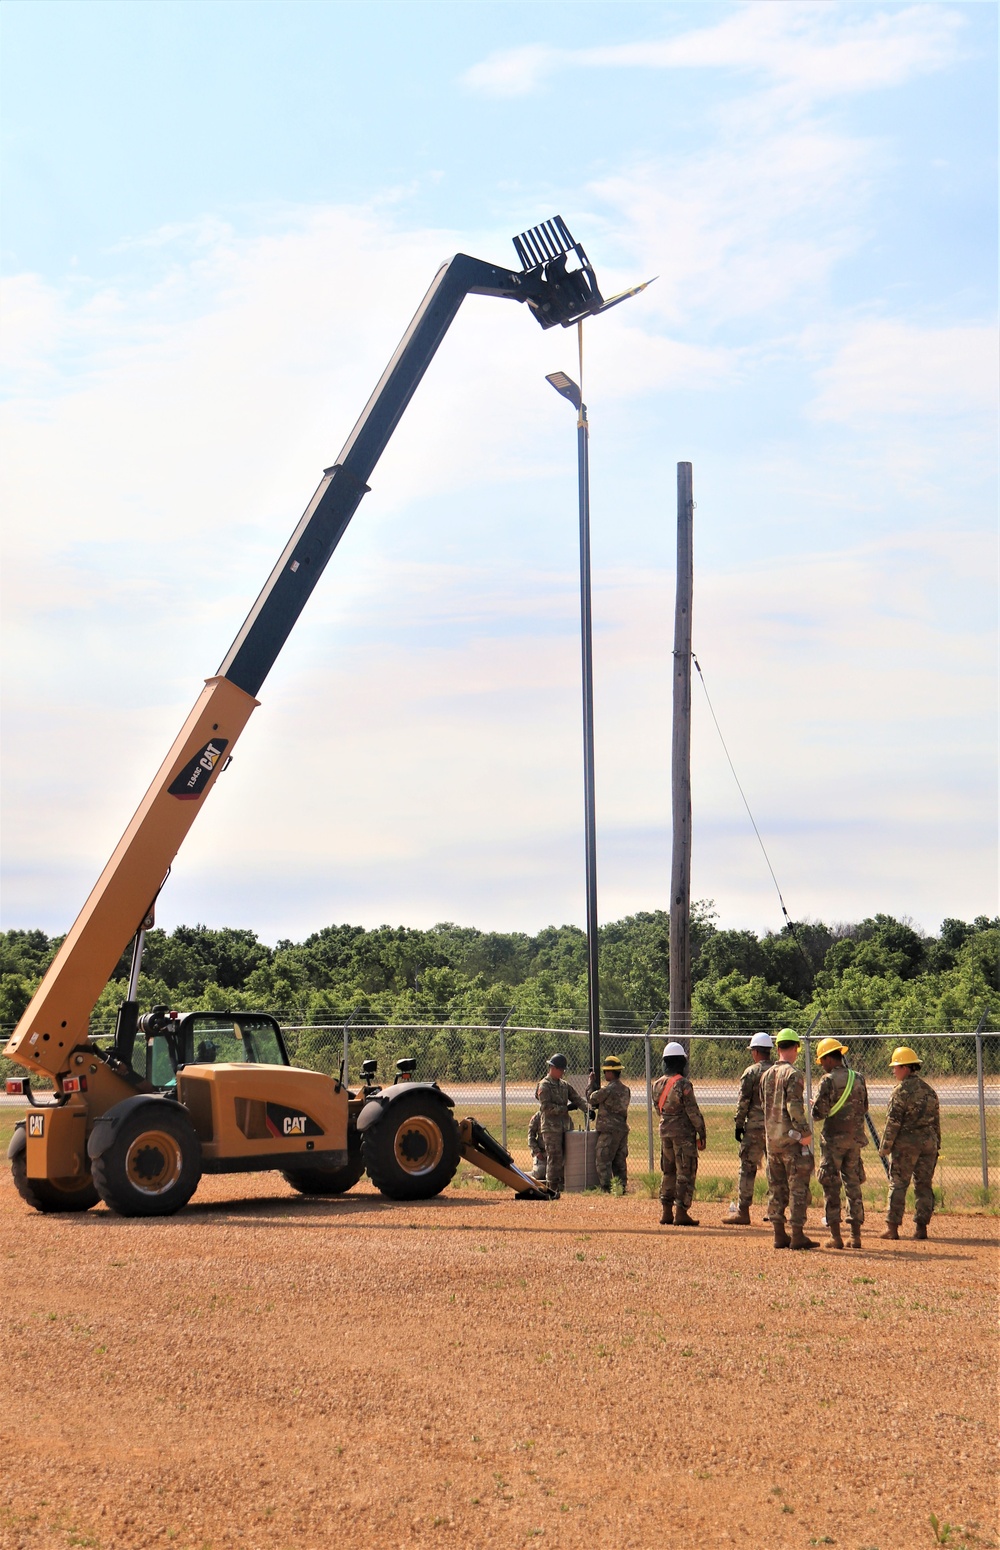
[74, 1084]
[15, 1085]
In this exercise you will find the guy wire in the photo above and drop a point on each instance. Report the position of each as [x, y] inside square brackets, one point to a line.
[788, 920]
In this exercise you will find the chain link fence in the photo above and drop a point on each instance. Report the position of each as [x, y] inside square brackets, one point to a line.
[491, 1072]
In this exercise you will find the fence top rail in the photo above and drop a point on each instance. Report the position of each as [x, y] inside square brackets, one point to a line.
[638, 1034]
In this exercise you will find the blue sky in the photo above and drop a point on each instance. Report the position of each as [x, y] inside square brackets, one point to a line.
[218, 220]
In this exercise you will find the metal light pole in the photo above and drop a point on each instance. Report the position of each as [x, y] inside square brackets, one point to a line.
[568, 388]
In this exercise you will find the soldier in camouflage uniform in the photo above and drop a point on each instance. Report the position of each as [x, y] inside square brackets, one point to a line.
[789, 1143]
[750, 1126]
[535, 1144]
[556, 1097]
[841, 1104]
[610, 1104]
[682, 1137]
[911, 1140]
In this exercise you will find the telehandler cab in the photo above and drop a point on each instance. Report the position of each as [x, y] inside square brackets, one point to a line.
[216, 1092]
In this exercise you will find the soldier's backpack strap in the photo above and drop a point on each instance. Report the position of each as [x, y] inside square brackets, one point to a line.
[666, 1090]
[836, 1107]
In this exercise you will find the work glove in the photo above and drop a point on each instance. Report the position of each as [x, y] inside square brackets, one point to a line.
[739, 1132]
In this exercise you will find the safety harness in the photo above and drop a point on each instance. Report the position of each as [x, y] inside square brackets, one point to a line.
[836, 1107]
[666, 1090]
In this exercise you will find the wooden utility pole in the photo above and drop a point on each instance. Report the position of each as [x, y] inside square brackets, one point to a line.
[680, 768]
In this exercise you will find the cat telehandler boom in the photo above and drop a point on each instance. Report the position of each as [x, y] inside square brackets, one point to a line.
[214, 1092]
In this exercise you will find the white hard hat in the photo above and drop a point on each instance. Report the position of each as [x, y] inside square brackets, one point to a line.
[673, 1048]
[761, 1041]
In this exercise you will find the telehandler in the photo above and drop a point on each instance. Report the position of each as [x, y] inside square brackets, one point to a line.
[215, 1092]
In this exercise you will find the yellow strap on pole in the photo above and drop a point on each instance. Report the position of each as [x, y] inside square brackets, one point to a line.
[581, 417]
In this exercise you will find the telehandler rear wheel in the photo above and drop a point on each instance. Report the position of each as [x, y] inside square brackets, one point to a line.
[413, 1151]
[53, 1194]
[152, 1166]
[330, 1181]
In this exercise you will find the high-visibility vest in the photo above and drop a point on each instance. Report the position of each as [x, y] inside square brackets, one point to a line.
[836, 1108]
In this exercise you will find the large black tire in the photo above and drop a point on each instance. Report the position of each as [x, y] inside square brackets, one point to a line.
[152, 1166]
[53, 1194]
[330, 1181]
[413, 1151]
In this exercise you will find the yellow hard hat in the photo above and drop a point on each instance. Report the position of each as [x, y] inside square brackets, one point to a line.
[830, 1047]
[611, 1063]
[903, 1055]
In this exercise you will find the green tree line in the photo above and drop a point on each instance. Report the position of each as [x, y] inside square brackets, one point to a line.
[876, 975]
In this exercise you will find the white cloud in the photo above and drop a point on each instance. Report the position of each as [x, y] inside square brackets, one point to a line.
[809, 51]
[888, 368]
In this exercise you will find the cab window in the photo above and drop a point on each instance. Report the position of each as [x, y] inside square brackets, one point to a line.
[212, 1041]
[159, 1066]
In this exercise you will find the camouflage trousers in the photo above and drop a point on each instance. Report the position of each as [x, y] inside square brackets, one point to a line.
[679, 1166]
[536, 1146]
[554, 1142]
[612, 1150]
[788, 1173]
[840, 1160]
[914, 1159]
[752, 1149]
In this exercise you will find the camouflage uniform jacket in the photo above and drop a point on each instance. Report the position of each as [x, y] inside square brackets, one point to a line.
[848, 1123]
[556, 1098]
[750, 1110]
[611, 1103]
[782, 1094]
[913, 1115]
[680, 1116]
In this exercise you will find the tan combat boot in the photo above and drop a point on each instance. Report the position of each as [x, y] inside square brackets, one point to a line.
[666, 1213]
[781, 1238]
[800, 1241]
[920, 1231]
[740, 1218]
[836, 1241]
[681, 1218]
[855, 1235]
[891, 1231]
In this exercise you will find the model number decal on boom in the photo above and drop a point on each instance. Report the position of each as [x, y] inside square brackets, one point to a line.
[190, 782]
[289, 1122]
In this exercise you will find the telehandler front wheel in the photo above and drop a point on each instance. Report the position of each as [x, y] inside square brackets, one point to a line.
[153, 1165]
[413, 1150]
[53, 1194]
[330, 1181]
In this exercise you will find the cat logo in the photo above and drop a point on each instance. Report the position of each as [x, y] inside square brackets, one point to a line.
[36, 1124]
[295, 1125]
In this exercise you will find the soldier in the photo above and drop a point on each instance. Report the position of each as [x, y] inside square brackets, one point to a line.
[789, 1143]
[610, 1104]
[841, 1104]
[535, 1144]
[750, 1126]
[911, 1140]
[556, 1097]
[682, 1137]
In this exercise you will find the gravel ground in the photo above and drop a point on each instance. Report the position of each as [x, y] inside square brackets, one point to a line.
[266, 1371]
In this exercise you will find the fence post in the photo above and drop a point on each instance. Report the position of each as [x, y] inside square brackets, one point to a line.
[503, 1078]
[982, 1103]
[347, 1023]
[809, 1064]
[647, 1041]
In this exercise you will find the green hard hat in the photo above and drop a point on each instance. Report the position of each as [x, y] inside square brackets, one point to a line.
[786, 1036]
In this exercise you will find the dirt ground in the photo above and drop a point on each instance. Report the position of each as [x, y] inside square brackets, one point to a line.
[268, 1371]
